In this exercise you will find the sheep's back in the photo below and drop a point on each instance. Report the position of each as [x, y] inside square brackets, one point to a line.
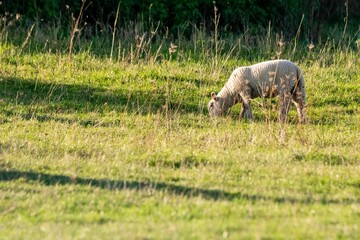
[272, 73]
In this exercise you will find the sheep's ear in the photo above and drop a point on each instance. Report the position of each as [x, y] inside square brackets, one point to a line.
[213, 96]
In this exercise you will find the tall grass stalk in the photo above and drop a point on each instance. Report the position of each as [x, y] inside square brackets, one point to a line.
[28, 36]
[216, 32]
[74, 28]
[297, 35]
[114, 31]
[346, 18]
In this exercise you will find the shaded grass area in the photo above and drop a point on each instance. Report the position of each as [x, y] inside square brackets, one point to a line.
[34, 99]
[184, 191]
[80, 98]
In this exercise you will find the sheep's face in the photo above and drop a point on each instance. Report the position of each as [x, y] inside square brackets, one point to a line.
[215, 106]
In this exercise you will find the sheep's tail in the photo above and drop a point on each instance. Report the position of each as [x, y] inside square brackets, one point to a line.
[300, 86]
[300, 95]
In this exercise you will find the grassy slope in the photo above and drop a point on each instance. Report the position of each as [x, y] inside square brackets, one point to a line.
[88, 150]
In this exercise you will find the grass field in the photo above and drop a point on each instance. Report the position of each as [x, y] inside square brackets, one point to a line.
[98, 149]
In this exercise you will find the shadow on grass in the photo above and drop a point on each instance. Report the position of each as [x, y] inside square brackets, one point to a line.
[69, 98]
[111, 185]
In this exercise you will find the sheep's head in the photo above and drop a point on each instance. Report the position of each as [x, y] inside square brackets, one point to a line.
[216, 106]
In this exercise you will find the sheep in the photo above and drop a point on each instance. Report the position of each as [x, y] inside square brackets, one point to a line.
[265, 80]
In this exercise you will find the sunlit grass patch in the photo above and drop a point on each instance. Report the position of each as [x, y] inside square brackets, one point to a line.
[97, 147]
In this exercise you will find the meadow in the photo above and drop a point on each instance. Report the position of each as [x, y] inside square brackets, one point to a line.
[121, 147]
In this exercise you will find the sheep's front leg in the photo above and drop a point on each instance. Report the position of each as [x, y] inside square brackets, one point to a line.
[245, 97]
[246, 111]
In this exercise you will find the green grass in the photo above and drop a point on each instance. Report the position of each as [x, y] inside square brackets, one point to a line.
[99, 149]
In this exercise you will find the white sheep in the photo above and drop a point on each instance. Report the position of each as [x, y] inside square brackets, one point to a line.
[265, 80]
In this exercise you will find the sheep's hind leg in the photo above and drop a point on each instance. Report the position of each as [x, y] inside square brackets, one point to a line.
[285, 102]
[300, 106]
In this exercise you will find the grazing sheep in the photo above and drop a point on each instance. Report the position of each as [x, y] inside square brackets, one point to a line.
[266, 79]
